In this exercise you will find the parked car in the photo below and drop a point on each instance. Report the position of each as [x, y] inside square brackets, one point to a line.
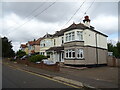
[24, 57]
[37, 62]
[15, 57]
[48, 62]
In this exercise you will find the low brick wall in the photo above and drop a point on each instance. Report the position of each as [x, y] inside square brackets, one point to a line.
[112, 61]
[55, 67]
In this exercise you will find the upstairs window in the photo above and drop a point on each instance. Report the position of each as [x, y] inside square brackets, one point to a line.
[70, 36]
[79, 35]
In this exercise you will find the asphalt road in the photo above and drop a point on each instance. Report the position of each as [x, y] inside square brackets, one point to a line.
[14, 78]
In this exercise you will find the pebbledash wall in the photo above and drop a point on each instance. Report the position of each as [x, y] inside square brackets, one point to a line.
[94, 46]
[82, 45]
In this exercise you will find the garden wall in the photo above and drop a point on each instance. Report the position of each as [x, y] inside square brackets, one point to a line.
[112, 61]
[54, 67]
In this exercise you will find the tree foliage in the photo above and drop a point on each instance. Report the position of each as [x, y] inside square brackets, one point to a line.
[115, 49]
[20, 53]
[7, 50]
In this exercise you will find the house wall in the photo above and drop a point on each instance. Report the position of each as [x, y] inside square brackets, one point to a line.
[26, 50]
[90, 39]
[101, 41]
[48, 43]
[58, 41]
[37, 48]
[90, 56]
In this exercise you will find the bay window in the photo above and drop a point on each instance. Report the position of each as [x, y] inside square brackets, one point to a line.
[70, 36]
[80, 53]
[72, 54]
[79, 35]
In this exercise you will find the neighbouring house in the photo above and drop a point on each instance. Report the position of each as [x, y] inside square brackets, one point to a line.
[45, 44]
[31, 46]
[24, 48]
[78, 44]
[37, 45]
[34, 46]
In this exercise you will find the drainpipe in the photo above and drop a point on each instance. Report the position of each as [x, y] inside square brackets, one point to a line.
[96, 50]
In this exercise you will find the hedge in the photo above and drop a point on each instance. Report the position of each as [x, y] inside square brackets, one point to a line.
[36, 58]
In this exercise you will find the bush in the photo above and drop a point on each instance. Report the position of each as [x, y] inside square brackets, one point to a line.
[36, 58]
[20, 53]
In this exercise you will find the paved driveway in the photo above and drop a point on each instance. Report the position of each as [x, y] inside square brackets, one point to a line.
[109, 74]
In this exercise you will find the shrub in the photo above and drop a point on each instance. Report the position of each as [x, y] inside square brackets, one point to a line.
[36, 58]
[20, 53]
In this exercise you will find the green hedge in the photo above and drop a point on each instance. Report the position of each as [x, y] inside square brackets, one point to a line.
[36, 58]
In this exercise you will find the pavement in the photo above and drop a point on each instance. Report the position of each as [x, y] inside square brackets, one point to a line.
[100, 77]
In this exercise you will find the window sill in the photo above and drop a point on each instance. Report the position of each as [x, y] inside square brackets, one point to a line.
[74, 41]
[74, 58]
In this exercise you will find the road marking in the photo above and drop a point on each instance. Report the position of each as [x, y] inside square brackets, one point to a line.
[15, 67]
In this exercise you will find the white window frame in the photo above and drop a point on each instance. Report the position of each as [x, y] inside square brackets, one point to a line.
[80, 35]
[70, 51]
[80, 51]
[70, 36]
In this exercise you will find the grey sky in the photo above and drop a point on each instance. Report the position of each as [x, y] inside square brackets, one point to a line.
[103, 15]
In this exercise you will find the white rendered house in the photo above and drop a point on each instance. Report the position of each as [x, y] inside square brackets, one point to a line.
[79, 44]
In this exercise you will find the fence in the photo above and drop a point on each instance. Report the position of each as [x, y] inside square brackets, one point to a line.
[112, 61]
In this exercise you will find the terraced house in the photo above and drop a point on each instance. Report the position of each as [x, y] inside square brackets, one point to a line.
[78, 44]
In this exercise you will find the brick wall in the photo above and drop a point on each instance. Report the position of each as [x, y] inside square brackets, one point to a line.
[112, 61]
[55, 67]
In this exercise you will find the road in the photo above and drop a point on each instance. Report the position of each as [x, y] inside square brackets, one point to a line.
[15, 78]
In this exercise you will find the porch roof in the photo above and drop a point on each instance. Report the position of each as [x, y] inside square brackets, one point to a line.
[57, 49]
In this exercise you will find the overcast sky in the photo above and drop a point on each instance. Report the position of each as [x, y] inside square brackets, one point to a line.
[25, 21]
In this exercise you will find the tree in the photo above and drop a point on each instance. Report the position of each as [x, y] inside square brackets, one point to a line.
[115, 49]
[20, 53]
[7, 50]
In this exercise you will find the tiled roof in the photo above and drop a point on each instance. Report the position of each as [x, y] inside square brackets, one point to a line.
[76, 26]
[31, 42]
[48, 36]
[37, 42]
[23, 46]
[73, 26]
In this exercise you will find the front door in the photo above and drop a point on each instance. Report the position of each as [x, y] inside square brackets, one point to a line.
[61, 57]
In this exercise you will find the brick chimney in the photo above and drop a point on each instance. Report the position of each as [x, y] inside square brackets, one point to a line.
[86, 21]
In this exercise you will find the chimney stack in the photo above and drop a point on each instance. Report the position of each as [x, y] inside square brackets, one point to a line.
[86, 21]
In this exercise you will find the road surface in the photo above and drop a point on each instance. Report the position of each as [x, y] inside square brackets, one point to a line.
[15, 78]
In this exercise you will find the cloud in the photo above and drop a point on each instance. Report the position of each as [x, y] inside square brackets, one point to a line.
[28, 31]
[106, 23]
[103, 18]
